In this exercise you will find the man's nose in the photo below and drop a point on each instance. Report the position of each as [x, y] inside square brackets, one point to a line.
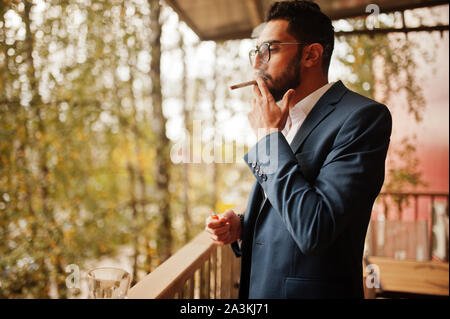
[256, 62]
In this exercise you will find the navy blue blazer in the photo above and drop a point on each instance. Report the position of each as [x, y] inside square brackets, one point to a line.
[306, 239]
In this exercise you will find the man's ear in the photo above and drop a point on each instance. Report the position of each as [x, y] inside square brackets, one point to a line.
[312, 55]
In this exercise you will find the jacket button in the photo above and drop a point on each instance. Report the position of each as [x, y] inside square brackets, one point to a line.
[260, 173]
[264, 177]
[253, 164]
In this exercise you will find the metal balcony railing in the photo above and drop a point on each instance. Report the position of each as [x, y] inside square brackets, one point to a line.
[410, 226]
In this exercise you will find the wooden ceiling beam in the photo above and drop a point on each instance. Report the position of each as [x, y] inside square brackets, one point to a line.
[254, 10]
[256, 17]
[183, 16]
[440, 28]
[360, 10]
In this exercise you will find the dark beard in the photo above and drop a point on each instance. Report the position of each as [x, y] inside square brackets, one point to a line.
[289, 79]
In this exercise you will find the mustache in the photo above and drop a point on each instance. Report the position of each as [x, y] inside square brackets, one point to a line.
[264, 75]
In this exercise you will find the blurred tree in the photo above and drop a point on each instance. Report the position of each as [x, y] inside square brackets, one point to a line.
[63, 171]
[188, 129]
[214, 114]
[383, 66]
[162, 163]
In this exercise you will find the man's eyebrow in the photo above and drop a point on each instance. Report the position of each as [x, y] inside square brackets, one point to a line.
[269, 41]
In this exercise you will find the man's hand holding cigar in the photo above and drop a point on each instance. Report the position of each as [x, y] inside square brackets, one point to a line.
[266, 116]
[269, 116]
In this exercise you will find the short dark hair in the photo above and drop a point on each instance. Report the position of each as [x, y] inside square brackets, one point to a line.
[307, 24]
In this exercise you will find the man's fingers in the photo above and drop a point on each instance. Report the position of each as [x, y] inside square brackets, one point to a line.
[218, 231]
[220, 237]
[254, 104]
[263, 88]
[287, 101]
[224, 241]
[256, 91]
[214, 223]
[229, 213]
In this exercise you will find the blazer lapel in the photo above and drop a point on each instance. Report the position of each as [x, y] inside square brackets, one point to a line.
[323, 107]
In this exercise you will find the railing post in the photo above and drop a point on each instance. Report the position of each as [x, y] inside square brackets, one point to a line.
[225, 273]
[191, 287]
[202, 282]
[208, 279]
[430, 229]
[181, 292]
[214, 273]
[219, 275]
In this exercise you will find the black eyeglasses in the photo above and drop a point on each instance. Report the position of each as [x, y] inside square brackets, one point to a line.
[263, 51]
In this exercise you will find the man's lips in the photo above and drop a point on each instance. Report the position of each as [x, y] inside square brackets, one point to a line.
[264, 75]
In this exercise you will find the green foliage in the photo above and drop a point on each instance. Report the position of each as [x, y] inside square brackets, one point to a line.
[64, 142]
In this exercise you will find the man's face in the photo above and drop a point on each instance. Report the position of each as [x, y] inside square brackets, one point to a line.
[282, 71]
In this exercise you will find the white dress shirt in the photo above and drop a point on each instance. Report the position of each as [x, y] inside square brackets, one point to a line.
[300, 111]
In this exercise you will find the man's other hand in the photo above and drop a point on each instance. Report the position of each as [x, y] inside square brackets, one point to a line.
[225, 230]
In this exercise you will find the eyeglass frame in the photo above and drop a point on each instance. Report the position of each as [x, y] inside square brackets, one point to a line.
[256, 50]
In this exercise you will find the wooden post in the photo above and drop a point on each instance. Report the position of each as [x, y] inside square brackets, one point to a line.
[430, 229]
[202, 282]
[191, 287]
[219, 273]
[208, 279]
[226, 273]
[214, 260]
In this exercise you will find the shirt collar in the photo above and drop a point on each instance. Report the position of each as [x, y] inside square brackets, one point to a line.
[304, 106]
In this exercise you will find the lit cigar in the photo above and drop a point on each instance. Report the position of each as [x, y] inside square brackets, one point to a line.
[241, 85]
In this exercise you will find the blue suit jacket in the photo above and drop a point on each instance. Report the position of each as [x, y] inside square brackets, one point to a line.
[306, 239]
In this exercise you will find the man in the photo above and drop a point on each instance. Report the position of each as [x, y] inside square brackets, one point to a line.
[303, 233]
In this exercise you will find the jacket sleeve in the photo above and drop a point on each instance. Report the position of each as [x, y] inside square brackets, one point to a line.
[351, 177]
